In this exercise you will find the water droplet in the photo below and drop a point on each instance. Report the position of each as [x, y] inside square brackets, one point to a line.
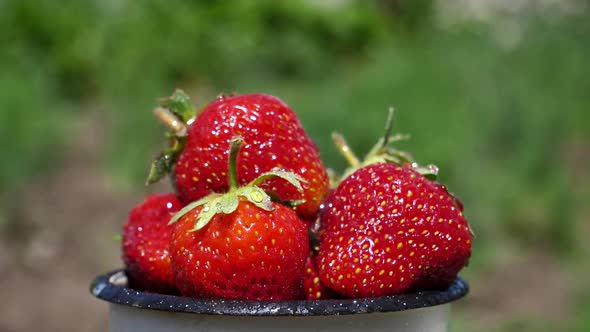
[256, 196]
[433, 168]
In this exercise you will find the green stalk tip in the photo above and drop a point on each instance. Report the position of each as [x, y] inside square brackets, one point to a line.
[235, 145]
[345, 150]
[388, 127]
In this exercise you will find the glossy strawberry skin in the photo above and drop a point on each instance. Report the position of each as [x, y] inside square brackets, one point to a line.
[274, 138]
[387, 229]
[146, 239]
[312, 285]
[250, 254]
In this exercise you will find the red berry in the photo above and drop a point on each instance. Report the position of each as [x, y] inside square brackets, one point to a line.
[275, 138]
[240, 244]
[312, 285]
[146, 239]
[387, 229]
[249, 254]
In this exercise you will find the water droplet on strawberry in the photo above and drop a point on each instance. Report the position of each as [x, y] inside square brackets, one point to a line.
[257, 196]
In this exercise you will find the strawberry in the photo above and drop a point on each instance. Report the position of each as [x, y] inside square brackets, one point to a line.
[146, 238]
[387, 229]
[275, 138]
[240, 244]
[313, 287]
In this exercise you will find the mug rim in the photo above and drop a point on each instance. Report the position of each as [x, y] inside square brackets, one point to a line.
[112, 287]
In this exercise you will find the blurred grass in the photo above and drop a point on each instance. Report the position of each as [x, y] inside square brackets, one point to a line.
[499, 107]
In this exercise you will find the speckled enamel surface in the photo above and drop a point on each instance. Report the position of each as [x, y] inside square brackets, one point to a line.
[112, 287]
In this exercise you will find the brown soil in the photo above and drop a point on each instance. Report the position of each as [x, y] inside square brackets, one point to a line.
[532, 287]
[59, 237]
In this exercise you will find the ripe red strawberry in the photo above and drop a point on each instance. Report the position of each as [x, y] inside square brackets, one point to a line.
[275, 138]
[240, 245]
[146, 237]
[312, 286]
[250, 254]
[388, 229]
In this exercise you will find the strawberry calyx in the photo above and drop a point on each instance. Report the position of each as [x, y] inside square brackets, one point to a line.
[227, 203]
[179, 104]
[382, 152]
[176, 113]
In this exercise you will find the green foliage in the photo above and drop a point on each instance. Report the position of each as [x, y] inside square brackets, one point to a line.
[29, 132]
[493, 117]
[582, 312]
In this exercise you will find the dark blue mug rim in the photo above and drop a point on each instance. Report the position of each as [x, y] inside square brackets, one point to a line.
[112, 287]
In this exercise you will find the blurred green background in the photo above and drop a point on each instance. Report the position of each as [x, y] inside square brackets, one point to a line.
[495, 93]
